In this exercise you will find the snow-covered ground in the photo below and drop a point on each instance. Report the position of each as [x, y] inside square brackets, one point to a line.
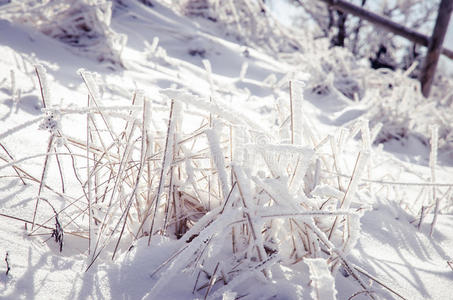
[311, 192]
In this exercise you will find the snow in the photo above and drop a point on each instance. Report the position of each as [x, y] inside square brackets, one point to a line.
[337, 186]
[323, 282]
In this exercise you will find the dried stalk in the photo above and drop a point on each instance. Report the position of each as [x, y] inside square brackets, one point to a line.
[162, 173]
[43, 176]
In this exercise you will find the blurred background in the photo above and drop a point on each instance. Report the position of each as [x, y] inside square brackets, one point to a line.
[364, 40]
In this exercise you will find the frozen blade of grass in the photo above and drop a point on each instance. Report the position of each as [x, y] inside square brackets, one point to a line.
[245, 192]
[375, 131]
[359, 168]
[43, 177]
[165, 165]
[243, 72]
[396, 183]
[303, 214]
[291, 112]
[60, 170]
[316, 175]
[17, 161]
[355, 129]
[149, 176]
[95, 95]
[190, 171]
[218, 158]
[25, 221]
[322, 281]
[302, 164]
[114, 191]
[334, 149]
[319, 145]
[432, 165]
[45, 95]
[44, 86]
[143, 153]
[296, 100]
[13, 87]
[89, 181]
[177, 119]
[366, 136]
[147, 115]
[137, 98]
[208, 68]
[91, 85]
[104, 151]
[212, 281]
[154, 44]
[353, 224]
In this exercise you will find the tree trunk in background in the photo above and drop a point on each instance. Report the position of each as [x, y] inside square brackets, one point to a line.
[435, 46]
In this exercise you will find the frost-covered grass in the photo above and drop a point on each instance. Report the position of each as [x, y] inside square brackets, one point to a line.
[182, 185]
[82, 24]
[238, 198]
[197, 171]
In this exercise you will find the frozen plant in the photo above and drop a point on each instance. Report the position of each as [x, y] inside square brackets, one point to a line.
[84, 25]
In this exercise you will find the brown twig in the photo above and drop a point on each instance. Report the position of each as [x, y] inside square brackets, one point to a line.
[211, 281]
[162, 172]
[43, 176]
[14, 167]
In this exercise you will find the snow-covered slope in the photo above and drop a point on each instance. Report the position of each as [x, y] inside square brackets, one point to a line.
[282, 192]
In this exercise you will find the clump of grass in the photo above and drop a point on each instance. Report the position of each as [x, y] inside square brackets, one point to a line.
[239, 199]
[83, 25]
